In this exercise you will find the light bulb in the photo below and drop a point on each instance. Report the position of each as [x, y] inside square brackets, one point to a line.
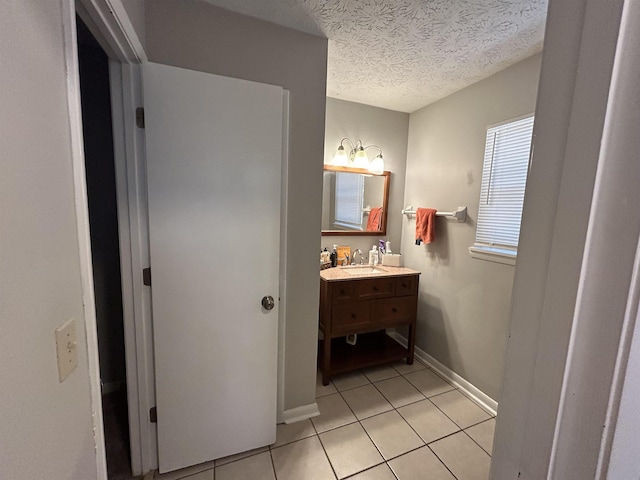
[360, 160]
[340, 159]
[377, 165]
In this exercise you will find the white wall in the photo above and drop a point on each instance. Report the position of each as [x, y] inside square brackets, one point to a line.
[464, 302]
[202, 37]
[45, 426]
[378, 126]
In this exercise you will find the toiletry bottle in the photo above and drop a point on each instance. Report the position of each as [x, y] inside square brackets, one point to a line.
[376, 257]
[387, 250]
[371, 255]
[334, 257]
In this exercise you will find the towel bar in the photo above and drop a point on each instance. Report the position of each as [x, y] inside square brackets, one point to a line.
[460, 214]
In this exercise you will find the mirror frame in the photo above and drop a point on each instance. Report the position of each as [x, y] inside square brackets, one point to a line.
[385, 202]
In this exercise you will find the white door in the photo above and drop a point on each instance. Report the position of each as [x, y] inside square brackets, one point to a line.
[214, 155]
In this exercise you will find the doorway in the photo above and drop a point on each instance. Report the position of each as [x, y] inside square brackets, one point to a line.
[105, 252]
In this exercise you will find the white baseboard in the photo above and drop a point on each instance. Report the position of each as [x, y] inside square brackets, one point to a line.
[465, 387]
[301, 413]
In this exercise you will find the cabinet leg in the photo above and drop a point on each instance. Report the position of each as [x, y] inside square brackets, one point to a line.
[326, 360]
[411, 343]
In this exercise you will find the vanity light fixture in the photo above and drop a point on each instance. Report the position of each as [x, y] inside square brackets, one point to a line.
[340, 159]
[357, 157]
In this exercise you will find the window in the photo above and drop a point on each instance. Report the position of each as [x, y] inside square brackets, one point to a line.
[348, 201]
[504, 177]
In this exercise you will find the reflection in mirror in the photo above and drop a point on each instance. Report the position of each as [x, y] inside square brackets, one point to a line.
[354, 202]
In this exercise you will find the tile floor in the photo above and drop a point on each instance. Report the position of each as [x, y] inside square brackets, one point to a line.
[392, 422]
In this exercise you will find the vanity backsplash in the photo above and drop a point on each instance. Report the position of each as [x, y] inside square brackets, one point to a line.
[342, 255]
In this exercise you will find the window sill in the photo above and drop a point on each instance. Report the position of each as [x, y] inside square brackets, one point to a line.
[498, 255]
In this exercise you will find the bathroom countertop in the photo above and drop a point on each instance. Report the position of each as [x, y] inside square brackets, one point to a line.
[338, 273]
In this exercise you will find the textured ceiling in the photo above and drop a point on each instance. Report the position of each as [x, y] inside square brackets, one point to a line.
[405, 54]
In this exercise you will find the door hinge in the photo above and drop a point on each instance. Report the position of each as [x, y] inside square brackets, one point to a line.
[153, 415]
[140, 117]
[146, 276]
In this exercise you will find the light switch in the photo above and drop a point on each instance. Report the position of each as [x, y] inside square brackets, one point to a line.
[66, 348]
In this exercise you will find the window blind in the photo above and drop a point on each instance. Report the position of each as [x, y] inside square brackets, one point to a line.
[348, 200]
[504, 177]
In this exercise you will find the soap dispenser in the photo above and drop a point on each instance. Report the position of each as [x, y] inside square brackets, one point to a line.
[373, 256]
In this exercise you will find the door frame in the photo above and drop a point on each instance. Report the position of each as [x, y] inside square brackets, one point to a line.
[126, 93]
[109, 22]
[559, 399]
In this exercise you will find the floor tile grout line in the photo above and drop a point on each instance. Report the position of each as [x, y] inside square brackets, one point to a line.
[391, 470]
[317, 433]
[460, 429]
[370, 468]
[362, 426]
[335, 474]
[385, 397]
[453, 387]
[416, 432]
[445, 414]
[445, 436]
[478, 423]
[268, 449]
[410, 426]
[460, 426]
[392, 408]
[320, 439]
[359, 421]
[273, 466]
[386, 461]
[462, 392]
[427, 445]
[474, 441]
[442, 462]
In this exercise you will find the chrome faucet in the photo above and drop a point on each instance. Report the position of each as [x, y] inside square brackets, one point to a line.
[353, 257]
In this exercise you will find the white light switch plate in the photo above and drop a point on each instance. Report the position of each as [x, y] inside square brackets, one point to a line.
[66, 348]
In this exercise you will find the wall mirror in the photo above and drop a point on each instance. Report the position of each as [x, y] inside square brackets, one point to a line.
[354, 201]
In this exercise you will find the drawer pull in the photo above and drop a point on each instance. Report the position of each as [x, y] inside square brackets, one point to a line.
[353, 315]
[394, 310]
[342, 292]
[375, 289]
[404, 285]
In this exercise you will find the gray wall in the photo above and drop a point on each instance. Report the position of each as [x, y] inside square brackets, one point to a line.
[136, 13]
[45, 426]
[385, 128]
[201, 37]
[464, 302]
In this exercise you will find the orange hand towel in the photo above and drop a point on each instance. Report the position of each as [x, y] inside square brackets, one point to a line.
[375, 217]
[425, 225]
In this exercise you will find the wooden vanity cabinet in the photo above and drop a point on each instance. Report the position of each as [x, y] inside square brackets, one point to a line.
[366, 306]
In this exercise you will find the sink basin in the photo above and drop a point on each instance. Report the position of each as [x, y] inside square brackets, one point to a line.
[363, 270]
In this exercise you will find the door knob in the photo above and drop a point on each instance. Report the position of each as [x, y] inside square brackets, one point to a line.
[268, 303]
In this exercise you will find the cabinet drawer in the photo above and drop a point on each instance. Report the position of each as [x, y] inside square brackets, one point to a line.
[343, 292]
[350, 317]
[394, 311]
[374, 288]
[407, 285]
